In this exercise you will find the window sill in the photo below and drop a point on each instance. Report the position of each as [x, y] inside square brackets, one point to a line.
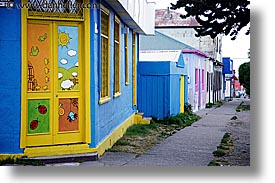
[117, 94]
[104, 100]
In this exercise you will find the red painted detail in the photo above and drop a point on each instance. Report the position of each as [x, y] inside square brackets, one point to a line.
[42, 109]
[34, 124]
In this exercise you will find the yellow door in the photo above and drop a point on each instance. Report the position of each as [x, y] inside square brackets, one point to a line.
[181, 94]
[54, 76]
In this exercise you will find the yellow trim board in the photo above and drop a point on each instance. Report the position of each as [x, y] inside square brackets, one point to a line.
[24, 54]
[87, 79]
[58, 150]
[10, 156]
[109, 141]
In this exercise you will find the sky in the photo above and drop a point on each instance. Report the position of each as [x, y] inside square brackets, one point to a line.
[237, 50]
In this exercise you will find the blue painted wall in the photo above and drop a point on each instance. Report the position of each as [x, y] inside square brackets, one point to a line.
[227, 63]
[153, 97]
[108, 116]
[94, 56]
[159, 88]
[10, 85]
[174, 94]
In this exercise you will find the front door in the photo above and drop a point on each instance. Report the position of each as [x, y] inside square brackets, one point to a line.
[199, 91]
[54, 75]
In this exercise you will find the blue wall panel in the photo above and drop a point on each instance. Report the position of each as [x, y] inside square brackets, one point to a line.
[154, 68]
[10, 85]
[226, 68]
[154, 98]
[94, 44]
[174, 94]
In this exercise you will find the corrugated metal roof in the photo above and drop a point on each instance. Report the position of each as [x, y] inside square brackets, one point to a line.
[159, 55]
[161, 41]
[169, 18]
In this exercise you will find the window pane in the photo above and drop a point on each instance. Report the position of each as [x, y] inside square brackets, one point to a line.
[68, 72]
[126, 58]
[117, 57]
[104, 67]
[104, 24]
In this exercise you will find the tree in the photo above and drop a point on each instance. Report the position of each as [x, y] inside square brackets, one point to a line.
[217, 16]
[244, 76]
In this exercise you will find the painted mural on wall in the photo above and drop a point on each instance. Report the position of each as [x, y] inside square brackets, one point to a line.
[68, 58]
[38, 57]
[38, 116]
[68, 114]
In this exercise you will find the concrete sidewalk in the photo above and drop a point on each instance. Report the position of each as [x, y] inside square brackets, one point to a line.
[191, 146]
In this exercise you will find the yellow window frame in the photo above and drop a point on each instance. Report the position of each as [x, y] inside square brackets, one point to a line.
[134, 67]
[117, 91]
[127, 82]
[105, 56]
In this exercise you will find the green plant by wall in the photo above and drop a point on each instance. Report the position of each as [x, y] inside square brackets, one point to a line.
[188, 108]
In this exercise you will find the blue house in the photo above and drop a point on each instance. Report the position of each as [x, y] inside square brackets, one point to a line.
[70, 79]
[227, 72]
[162, 83]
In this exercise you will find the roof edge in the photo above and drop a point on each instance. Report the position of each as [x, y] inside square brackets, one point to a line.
[196, 52]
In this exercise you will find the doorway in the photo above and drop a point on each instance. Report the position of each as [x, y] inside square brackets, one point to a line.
[54, 76]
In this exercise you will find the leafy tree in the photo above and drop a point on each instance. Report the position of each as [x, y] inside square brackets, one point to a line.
[244, 76]
[217, 16]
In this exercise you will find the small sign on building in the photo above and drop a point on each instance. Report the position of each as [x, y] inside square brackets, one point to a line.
[6, 3]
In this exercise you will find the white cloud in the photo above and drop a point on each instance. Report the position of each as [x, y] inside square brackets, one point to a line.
[74, 74]
[71, 53]
[67, 84]
[60, 75]
[63, 61]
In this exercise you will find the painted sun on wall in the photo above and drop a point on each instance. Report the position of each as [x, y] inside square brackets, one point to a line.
[68, 58]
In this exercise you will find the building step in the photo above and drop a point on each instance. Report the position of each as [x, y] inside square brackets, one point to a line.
[146, 120]
[140, 113]
[60, 159]
[140, 119]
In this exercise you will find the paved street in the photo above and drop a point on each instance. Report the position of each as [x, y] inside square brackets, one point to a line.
[191, 146]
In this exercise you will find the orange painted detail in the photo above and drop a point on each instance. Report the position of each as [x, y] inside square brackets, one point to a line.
[68, 114]
[38, 57]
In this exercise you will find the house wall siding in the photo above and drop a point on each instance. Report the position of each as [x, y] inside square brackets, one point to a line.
[153, 98]
[174, 94]
[193, 62]
[108, 116]
[10, 86]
